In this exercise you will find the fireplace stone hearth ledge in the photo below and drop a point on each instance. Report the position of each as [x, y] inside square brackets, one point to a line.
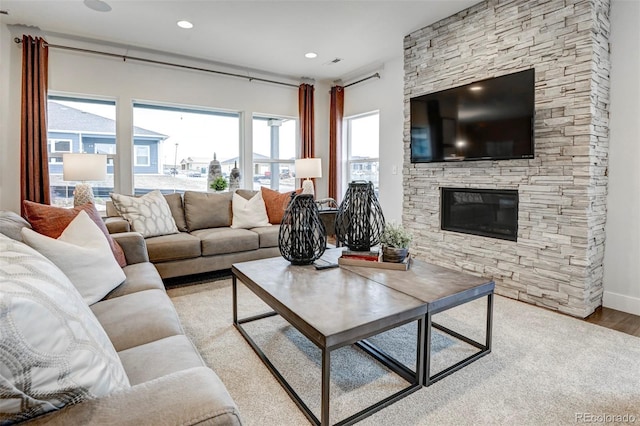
[557, 260]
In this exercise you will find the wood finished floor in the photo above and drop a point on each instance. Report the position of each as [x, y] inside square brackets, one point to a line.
[617, 320]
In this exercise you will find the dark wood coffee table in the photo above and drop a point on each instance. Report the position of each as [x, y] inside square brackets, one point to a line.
[346, 305]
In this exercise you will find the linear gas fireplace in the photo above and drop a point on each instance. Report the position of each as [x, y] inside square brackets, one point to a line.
[486, 212]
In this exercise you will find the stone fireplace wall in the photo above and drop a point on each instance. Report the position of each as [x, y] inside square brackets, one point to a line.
[557, 261]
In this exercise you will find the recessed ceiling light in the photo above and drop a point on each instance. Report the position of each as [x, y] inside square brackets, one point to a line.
[475, 88]
[97, 5]
[310, 55]
[185, 24]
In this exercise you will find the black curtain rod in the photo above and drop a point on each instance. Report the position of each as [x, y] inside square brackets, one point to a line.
[152, 61]
[363, 79]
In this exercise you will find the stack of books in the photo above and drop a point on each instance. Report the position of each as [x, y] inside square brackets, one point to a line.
[370, 259]
[372, 256]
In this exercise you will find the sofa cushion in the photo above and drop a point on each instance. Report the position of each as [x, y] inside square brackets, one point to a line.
[159, 358]
[11, 224]
[149, 214]
[53, 352]
[51, 221]
[276, 203]
[177, 210]
[83, 254]
[226, 240]
[204, 210]
[268, 235]
[140, 276]
[249, 213]
[173, 247]
[138, 318]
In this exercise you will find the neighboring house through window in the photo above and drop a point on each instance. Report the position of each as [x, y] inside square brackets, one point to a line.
[84, 125]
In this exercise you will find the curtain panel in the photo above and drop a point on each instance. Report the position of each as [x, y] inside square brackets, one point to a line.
[34, 161]
[336, 115]
[305, 109]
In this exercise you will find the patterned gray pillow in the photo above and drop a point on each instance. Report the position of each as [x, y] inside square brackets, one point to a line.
[149, 215]
[54, 352]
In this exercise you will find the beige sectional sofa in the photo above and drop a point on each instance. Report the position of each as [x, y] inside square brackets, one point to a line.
[206, 242]
[170, 383]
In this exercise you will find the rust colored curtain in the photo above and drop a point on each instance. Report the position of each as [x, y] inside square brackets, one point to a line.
[305, 109]
[336, 114]
[34, 162]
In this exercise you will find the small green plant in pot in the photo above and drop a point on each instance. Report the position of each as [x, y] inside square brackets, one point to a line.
[395, 242]
[219, 184]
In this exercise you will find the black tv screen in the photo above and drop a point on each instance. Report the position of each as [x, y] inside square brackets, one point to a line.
[487, 120]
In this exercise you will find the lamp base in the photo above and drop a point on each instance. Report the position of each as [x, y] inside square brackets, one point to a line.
[307, 187]
[83, 194]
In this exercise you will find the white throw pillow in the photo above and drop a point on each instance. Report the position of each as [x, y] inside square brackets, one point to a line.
[82, 252]
[250, 213]
[149, 214]
[54, 351]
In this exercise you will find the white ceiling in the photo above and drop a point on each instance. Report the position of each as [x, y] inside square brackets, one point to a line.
[266, 35]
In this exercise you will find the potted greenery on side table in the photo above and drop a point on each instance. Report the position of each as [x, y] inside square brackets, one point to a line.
[395, 242]
[219, 184]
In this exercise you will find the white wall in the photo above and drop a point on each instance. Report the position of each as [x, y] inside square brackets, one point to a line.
[385, 95]
[125, 81]
[622, 245]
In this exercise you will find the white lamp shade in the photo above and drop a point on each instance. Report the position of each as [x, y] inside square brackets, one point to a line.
[84, 167]
[308, 168]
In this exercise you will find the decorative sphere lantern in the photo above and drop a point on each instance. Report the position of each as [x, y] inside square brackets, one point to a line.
[359, 221]
[302, 238]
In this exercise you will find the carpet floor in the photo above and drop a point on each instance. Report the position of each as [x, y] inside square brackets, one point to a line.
[544, 368]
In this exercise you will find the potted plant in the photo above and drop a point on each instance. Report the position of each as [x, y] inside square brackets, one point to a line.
[219, 184]
[395, 243]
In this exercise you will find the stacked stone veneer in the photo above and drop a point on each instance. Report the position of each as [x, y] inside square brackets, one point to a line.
[557, 261]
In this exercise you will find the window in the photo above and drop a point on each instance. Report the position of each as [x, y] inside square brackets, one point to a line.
[60, 145]
[142, 155]
[274, 152]
[79, 125]
[363, 147]
[174, 146]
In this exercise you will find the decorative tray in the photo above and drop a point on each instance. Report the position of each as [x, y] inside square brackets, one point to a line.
[403, 266]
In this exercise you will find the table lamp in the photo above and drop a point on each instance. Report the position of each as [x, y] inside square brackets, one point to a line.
[307, 168]
[82, 168]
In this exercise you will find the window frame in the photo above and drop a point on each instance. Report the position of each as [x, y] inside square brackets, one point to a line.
[53, 142]
[177, 107]
[279, 161]
[147, 148]
[349, 162]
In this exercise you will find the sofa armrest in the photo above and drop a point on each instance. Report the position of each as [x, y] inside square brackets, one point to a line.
[133, 245]
[188, 397]
[117, 224]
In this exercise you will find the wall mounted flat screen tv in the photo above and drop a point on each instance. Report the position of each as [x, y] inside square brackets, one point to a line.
[487, 120]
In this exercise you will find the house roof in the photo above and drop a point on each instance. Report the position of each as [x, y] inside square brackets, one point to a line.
[64, 118]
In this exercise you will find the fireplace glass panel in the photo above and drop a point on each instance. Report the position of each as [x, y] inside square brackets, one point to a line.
[486, 212]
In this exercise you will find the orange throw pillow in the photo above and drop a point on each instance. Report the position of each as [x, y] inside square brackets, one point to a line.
[276, 203]
[51, 221]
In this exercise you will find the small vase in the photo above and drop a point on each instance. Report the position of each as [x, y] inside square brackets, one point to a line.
[394, 254]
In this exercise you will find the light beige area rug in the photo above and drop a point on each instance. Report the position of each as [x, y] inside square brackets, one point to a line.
[545, 368]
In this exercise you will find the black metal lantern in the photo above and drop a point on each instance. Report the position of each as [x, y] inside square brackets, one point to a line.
[302, 238]
[359, 222]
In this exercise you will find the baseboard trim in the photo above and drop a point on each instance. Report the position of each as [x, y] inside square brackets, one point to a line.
[621, 302]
